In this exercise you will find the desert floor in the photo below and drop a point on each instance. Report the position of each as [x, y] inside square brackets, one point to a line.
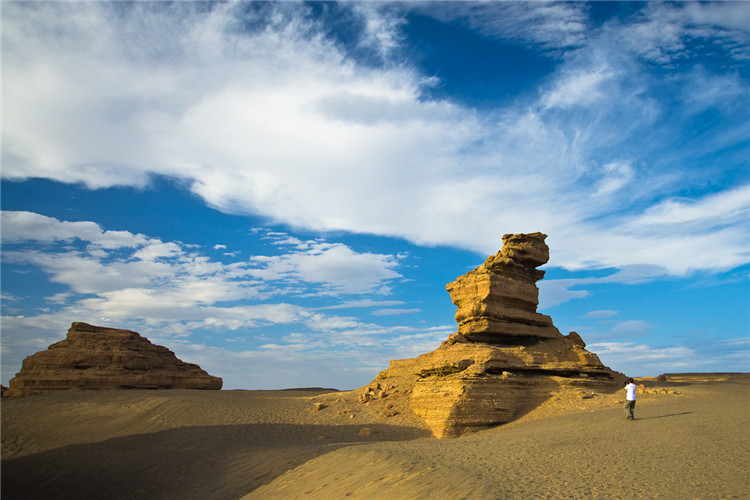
[275, 444]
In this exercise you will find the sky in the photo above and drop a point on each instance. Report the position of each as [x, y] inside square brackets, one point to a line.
[280, 191]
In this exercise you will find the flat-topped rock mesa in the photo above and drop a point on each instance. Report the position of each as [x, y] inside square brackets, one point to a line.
[504, 360]
[98, 358]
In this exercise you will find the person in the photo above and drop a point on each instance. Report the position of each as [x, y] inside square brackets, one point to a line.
[630, 398]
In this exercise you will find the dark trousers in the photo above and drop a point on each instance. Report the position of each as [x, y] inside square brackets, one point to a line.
[629, 407]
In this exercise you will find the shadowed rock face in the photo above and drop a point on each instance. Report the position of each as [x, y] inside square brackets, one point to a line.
[98, 358]
[505, 358]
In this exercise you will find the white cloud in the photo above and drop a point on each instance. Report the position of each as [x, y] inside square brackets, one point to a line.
[168, 265]
[29, 226]
[577, 89]
[603, 313]
[289, 240]
[86, 274]
[363, 303]
[644, 359]
[615, 176]
[553, 292]
[382, 28]
[650, 360]
[678, 252]
[394, 312]
[336, 266]
[159, 250]
[282, 122]
[304, 360]
[704, 91]
[665, 31]
[163, 282]
[550, 25]
[629, 328]
[729, 15]
[358, 355]
[724, 208]
[556, 292]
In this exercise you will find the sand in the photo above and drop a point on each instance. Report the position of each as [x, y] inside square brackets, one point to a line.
[275, 444]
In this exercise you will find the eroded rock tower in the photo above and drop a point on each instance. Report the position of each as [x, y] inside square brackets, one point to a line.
[505, 358]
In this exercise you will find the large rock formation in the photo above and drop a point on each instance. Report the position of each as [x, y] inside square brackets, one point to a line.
[98, 358]
[505, 358]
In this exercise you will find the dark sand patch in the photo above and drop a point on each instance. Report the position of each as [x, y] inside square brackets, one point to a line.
[170, 444]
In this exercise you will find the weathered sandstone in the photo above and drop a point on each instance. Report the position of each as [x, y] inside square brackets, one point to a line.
[505, 358]
[496, 302]
[98, 358]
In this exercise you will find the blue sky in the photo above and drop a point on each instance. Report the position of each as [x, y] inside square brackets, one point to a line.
[279, 192]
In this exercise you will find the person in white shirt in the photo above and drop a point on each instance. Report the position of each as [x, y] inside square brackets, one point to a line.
[629, 398]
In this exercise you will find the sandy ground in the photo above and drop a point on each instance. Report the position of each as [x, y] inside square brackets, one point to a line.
[275, 444]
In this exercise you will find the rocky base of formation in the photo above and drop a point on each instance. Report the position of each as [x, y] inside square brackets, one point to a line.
[504, 360]
[464, 385]
[98, 358]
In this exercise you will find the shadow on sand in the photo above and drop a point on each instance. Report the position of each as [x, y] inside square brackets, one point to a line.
[665, 416]
[208, 462]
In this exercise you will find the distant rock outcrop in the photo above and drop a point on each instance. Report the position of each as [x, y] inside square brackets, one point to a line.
[505, 358]
[98, 358]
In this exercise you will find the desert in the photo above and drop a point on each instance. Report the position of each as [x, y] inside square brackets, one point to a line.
[689, 440]
[506, 407]
[330, 249]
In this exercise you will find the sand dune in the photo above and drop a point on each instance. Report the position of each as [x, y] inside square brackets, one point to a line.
[275, 444]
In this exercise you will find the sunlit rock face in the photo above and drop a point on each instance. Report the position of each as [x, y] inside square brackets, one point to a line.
[497, 301]
[505, 359]
[98, 358]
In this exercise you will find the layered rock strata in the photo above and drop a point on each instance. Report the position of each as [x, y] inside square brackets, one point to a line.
[505, 358]
[98, 358]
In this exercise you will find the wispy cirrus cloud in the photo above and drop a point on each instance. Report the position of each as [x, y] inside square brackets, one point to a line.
[603, 313]
[664, 32]
[394, 312]
[547, 25]
[580, 88]
[382, 28]
[365, 303]
[726, 208]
